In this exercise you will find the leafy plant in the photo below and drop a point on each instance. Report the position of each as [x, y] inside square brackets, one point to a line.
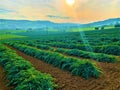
[61, 61]
[22, 74]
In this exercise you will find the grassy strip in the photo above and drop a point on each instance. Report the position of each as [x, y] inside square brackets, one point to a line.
[22, 74]
[77, 67]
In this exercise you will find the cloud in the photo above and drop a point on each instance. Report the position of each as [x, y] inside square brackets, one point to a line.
[59, 10]
[58, 17]
[5, 11]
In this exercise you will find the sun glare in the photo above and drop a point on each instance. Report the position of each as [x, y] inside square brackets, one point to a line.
[70, 2]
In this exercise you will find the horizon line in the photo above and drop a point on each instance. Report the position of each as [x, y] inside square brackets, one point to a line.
[59, 22]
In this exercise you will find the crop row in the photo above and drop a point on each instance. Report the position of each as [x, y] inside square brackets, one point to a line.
[90, 55]
[77, 67]
[112, 48]
[101, 57]
[22, 74]
[92, 37]
[107, 49]
[92, 42]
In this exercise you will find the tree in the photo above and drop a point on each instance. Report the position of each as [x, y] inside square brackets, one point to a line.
[102, 28]
[96, 28]
[117, 25]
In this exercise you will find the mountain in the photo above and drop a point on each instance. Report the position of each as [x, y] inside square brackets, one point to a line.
[27, 24]
[23, 24]
[111, 21]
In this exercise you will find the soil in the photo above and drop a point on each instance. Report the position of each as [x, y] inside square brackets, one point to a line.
[109, 80]
[3, 81]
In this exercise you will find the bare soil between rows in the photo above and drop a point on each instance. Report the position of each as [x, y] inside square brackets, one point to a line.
[109, 80]
[3, 81]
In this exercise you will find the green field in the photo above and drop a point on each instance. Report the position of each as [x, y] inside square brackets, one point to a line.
[86, 55]
[9, 36]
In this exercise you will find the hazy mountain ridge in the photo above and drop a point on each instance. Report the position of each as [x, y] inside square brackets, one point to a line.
[111, 21]
[27, 24]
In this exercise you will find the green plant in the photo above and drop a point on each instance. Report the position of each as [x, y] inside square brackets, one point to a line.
[61, 61]
[22, 74]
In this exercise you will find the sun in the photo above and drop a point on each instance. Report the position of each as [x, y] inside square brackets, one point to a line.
[70, 2]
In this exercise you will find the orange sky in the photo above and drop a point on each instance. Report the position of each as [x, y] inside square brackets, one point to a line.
[83, 11]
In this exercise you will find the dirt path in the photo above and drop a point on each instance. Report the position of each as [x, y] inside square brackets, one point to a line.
[110, 80]
[3, 82]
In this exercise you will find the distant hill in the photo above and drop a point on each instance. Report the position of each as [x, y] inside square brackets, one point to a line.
[26, 24]
[23, 24]
[111, 21]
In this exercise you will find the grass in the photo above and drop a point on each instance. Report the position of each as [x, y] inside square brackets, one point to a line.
[82, 29]
[11, 31]
[9, 36]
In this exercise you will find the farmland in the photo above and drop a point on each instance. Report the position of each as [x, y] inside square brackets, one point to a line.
[10, 34]
[85, 60]
[59, 45]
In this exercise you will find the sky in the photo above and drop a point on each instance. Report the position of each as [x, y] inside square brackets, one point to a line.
[82, 11]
